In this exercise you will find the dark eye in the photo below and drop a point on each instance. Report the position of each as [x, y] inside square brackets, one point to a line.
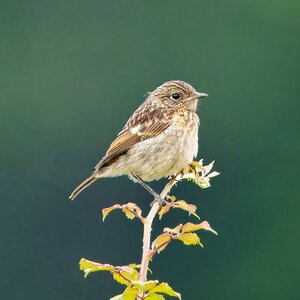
[176, 96]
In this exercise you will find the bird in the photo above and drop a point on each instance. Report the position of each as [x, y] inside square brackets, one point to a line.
[158, 140]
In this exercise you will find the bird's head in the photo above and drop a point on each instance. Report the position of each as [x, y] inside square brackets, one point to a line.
[177, 92]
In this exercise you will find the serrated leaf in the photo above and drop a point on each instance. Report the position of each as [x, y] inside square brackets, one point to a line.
[130, 273]
[133, 208]
[189, 176]
[88, 266]
[119, 278]
[129, 294]
[130, 210]
[161, 242]
[163, 211]
[106, 211]
[205, 225]
[145, 286]
[172, 198]
[164, 288]
[128, 269]
[173, 231]
[130, 215]
[204, 182]
[189, 227]
[190, 208]
[155, 297]
[190, 239]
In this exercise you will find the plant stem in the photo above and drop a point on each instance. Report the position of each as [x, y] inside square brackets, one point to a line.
[147, 231]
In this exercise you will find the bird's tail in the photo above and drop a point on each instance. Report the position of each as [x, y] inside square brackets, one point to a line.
[83, 186]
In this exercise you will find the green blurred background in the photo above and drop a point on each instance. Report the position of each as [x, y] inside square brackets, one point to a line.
[72, 72]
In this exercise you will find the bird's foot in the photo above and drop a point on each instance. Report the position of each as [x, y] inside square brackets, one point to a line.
[161, 202]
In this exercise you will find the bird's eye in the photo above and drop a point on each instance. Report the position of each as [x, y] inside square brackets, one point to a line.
[176, 96]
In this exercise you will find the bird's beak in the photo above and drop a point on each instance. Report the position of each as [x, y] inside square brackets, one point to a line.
[196, 96]
[201, 95]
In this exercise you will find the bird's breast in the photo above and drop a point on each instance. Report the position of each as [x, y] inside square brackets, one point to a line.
[167, 153]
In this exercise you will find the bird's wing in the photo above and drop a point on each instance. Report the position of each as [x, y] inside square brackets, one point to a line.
[144, 124]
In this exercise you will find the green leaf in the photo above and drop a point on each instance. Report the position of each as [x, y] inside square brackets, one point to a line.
[88, 266]
[190, 239]
[164, 288]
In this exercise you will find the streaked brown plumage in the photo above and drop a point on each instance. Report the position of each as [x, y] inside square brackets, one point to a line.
[158, 140]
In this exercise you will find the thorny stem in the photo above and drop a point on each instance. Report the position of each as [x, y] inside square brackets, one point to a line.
[147, 231]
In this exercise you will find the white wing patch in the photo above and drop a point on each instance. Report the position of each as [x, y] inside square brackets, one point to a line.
[135, 130]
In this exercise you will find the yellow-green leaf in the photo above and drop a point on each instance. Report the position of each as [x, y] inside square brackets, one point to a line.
[145, 286]
[155, 297]
[88, 266]
[189, 227]
[130, 273]
[190, 208]
[164, 288]
[190, 239]
[129, 294]
[106, 211]
[163, 211]
[119, 278]
[129, 214]
[134, 266]
[133, 209]
[161, 242]
[172, 198]
[130, 210]
[173, 231]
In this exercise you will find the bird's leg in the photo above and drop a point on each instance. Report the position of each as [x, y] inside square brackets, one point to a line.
[157, 197]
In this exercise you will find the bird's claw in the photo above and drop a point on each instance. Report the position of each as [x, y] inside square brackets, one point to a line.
[161, 202]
